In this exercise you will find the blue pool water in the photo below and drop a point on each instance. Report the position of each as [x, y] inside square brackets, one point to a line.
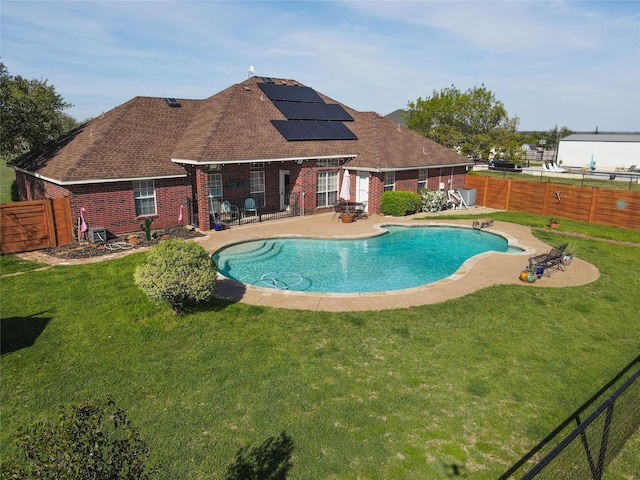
[404, 257]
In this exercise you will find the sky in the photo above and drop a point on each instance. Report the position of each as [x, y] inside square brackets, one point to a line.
[573, 64]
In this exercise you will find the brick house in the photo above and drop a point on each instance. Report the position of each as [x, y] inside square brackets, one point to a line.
[273, 140]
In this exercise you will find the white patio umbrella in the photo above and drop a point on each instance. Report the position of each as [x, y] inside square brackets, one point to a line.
[345, 189]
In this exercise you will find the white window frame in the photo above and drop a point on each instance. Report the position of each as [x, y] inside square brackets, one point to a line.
[389, 181]
[257, 187]
[144, 191]
[215, 186]
[423, 179]
[326, 188]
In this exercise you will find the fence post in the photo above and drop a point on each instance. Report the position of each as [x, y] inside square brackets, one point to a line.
[545, 201]
[486, 191]
[594, 203]
[508, 199]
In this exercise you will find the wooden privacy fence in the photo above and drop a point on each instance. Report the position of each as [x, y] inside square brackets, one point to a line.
[26, 226]
[588, 204]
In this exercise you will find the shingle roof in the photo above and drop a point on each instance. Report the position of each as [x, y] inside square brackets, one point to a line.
[146, 138]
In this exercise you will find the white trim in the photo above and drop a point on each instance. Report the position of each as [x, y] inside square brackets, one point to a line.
[348, 157]
[382, 170]
[96, 180]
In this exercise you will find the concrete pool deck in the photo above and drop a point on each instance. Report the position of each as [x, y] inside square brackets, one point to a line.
[482, 271]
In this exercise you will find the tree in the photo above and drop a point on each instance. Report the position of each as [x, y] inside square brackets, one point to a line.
[472, 123]
[177, 271]
[90, 440]
[30, 112]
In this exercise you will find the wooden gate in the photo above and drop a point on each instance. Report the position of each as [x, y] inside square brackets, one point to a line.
[26, 226]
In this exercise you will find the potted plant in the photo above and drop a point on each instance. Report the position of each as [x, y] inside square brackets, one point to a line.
[347, 217]
[554, 223]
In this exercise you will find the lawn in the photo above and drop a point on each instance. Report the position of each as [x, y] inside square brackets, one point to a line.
[7, 176]
[466, 387]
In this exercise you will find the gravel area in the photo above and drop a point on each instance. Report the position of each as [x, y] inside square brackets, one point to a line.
[78, 250]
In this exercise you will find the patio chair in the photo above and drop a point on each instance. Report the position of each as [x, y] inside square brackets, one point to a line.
[250, 206]
[550, 260]
[339, 208]
[632, 168]
[231, 212]
[360, 211]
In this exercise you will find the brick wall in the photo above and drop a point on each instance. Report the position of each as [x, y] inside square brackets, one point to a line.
[112, 205]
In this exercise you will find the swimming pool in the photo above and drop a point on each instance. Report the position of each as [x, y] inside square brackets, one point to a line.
[401, 258]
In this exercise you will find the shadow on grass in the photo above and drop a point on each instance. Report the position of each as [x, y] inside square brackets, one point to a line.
[17, 333]
[226, 292]
[574, 417]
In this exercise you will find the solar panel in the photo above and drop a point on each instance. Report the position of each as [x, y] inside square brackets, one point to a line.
[290, 93]
[294, 130]
[313, 111]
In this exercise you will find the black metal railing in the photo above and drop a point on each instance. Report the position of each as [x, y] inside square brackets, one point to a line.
[595, 442]
[259, 208]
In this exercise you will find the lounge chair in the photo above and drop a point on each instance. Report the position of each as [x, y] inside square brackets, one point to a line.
[550, 260]
[632, 168]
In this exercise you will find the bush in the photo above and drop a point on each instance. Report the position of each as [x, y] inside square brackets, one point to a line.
[177, 271]
[271, 460]
[91, 440]
[433, 200]
[400, 203]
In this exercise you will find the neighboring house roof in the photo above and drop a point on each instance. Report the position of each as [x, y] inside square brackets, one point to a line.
[147, 138]
[602, 137]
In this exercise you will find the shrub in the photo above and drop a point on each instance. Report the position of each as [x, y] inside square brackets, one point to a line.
[271, 460]
[177, 271]
[433, 200]
[90, 440]
[400, 203]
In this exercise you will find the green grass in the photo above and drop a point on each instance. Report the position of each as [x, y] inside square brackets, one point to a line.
[7, 176]
[12, 264]
[467, 386]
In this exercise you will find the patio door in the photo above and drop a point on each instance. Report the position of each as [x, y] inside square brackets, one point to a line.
[362, 189]
[285, 189]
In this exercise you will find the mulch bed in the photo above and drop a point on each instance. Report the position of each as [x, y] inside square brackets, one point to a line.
[79, 250]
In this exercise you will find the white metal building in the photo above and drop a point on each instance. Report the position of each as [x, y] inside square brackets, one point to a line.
[609, 151]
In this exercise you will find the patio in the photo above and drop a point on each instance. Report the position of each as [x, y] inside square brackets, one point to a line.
[470, 277]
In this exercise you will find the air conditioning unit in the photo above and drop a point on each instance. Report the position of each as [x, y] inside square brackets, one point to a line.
[97, 234]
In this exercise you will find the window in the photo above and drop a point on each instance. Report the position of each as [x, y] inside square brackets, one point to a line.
[329, 162]
[144, 194]
[327, 189]
[257, 187]
[389, 181]
[257, 164]
[423, 175]
[215, 186]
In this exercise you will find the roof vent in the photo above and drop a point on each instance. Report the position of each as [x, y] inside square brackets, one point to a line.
[268, 80]
[172, 102]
